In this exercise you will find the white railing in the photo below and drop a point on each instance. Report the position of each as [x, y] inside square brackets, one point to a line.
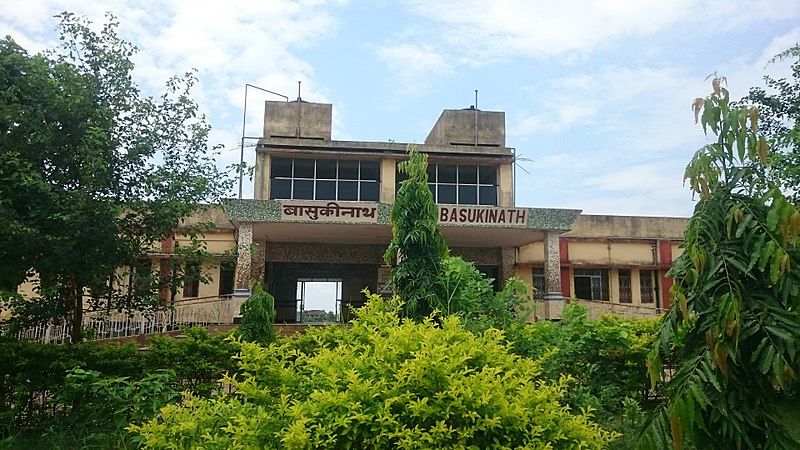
[120, 324]
[598, 308]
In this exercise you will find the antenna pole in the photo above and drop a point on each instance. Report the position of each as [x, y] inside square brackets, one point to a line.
[476, 117]
[244, 123]
[297, 131]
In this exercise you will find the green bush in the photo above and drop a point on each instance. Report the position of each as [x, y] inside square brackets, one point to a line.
[384, 383]
[258, 315]
[47, 390]
[469, 294]
[606, 357]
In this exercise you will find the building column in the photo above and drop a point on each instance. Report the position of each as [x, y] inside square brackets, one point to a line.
[553, 298]
[244, 261]
[508, 263]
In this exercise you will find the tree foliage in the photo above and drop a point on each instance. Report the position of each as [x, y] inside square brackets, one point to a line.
[417, 246]
[779, 107]
[93, 173]
[733, 329]
[258, 315]
[384, 383]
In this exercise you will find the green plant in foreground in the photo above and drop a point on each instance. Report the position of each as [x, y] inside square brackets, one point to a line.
[733, 328]
[258, 315]
[386, 382]
[417, 247]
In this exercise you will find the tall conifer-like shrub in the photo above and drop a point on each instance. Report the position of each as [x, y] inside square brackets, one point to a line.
[418, 246]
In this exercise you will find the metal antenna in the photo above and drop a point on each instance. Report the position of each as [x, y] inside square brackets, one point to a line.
[244, 122]
[299, 101]
[476, 117]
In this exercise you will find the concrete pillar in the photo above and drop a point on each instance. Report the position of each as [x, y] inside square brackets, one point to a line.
[613, 285]
[508, 262]
[553, 298]
[244, 260]
[388, 180]
[261, 176]
[636, 287]
[505, 182]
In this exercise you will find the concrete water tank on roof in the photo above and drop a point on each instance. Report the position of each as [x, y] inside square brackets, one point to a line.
[457, 127]
[281, 119]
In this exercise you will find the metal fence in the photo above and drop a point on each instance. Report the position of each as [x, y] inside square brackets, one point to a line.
[202, 311]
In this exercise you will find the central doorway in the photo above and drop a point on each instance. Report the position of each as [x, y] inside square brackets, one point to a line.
[319, 300]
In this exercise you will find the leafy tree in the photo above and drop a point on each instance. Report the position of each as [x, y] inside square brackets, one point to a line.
[92, 173]
[417, 247]
[733, 329]
[258, 315]
[779, 107]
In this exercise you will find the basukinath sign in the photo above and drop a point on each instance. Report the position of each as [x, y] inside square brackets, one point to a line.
[476, 215]
[362, 212]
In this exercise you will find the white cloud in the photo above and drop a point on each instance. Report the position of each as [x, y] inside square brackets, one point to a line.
[229, 43]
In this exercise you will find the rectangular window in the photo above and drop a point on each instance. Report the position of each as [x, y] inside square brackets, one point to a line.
[625, 292]
[647, 285]
[461, 184]
[191, 280]
[591, 284]
[538, 283]
[227, 269]
[324, 179]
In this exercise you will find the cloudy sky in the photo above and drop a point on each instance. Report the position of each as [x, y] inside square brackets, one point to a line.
[596, 93]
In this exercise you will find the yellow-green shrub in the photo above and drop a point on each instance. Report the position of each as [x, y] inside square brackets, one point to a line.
[384, 383]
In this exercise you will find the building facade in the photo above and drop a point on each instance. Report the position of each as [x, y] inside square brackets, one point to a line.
[320, 215]
[321, 209]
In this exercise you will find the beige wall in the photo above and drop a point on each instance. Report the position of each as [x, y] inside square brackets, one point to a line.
[505, 182]
[261, 176]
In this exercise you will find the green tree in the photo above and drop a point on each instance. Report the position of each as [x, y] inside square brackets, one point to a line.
[258, 315]
[779, 106]
[733, 329]
[418, 246]
[92, 172]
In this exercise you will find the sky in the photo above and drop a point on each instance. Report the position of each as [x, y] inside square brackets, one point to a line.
[597, 94]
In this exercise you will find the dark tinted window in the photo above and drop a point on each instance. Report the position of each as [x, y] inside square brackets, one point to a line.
[280, 189]
[370, 191]
[348, 170]
[468, 174]
[488, 175]
[447, 174]
[303, 189]
[370, 170]
[447, 193]
[326, 169]
[348, 190]
[468, 195]
[281, 167]
[488, 195]
[326, 190]
[304, 168]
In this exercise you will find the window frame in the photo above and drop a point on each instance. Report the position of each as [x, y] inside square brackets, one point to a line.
[434, 183]
[360, 182]
[598, 283]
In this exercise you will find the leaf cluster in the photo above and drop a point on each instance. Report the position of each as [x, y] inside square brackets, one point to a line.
[386, 382]
[93, 174]
[258, 315]
[729, 342]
